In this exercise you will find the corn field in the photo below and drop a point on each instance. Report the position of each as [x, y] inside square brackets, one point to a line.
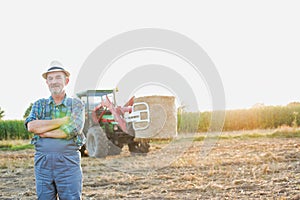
[266, 117]
[13, 129]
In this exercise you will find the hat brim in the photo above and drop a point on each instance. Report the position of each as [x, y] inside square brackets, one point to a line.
[44, 75]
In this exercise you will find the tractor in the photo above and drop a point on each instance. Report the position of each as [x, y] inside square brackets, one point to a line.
[108, 127]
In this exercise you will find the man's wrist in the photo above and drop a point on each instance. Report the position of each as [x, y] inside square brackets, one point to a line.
[43, 135]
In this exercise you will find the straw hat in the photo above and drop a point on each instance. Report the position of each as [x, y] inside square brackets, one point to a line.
[55, 66]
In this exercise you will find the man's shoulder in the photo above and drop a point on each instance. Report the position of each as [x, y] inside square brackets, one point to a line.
[42, 101]
[74, 101]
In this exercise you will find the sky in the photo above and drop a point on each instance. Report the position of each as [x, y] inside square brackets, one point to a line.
[254, 45]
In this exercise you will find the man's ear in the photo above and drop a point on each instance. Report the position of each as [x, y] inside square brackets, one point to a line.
[67, 80]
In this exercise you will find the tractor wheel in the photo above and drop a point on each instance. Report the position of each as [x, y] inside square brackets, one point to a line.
[114, 149]
[138, 147]
[97, 142]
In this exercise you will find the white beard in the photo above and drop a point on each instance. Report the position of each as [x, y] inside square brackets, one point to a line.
[56, 90]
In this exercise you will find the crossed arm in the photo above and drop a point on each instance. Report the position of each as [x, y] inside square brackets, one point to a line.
[48, 128]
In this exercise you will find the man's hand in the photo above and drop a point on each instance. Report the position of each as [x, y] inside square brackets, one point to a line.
[65, 120]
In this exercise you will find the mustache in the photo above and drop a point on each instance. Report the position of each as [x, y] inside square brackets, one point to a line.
[54, 85]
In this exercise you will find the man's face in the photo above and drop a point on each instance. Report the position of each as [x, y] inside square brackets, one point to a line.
[56, 82]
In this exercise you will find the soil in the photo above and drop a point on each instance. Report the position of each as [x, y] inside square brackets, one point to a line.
[256, 168]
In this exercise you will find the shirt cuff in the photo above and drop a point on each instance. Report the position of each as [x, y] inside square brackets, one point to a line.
[68, 130]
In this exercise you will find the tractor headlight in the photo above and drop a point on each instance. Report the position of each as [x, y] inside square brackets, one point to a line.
[115, 128]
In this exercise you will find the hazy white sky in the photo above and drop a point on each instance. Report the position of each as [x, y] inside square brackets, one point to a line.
[254, 45]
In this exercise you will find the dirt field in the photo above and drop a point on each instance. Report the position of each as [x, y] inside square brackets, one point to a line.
[257, 168]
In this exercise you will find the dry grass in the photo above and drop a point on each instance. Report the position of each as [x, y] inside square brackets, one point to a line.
[256, 168]
[13, 142]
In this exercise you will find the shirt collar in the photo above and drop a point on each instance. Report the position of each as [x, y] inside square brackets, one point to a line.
[64, 101]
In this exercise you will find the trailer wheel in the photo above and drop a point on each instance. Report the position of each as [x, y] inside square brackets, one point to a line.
[139, 147]
[97, 142]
